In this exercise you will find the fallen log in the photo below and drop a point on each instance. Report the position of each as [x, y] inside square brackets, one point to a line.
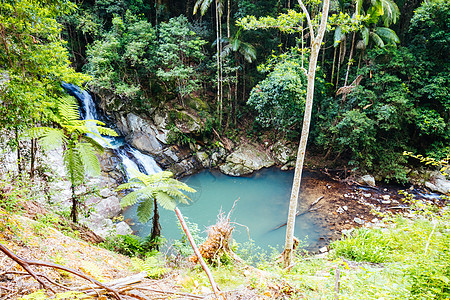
[310, 209]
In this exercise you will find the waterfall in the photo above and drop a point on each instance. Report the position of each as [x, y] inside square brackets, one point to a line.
[130, 157]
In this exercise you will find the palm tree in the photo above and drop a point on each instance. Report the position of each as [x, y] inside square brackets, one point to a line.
[247, 51]
[385, 11]
[79, 148]
[151, 190]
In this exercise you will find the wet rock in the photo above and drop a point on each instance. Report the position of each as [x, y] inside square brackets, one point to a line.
[108, 207]
[145, 142]
[106, 192]
[246, 159]
[204, 159]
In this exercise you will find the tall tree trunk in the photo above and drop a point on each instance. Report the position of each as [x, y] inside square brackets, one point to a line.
[315, 48]
[334, 62]
[228, 18]
[350, 59]
[219, 104]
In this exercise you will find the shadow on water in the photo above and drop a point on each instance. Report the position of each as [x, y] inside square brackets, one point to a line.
[262, 206]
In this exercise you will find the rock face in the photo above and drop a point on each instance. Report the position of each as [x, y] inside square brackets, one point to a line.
[150, 137]
[246, 159]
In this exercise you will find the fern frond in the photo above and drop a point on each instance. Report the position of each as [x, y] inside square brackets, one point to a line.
[106, 131]
[68, 109]
[50, 138]
[129, 185]
[74, 166]
[99, 148]
[166, 201]
[145, 210]
[89, 159]
[130, 199]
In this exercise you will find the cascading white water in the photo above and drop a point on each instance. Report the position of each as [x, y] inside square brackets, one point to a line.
[131, 157]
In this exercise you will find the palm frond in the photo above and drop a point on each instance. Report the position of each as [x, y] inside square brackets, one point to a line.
[376, 38]
[145, 210]
[387, 34]
[365, 35]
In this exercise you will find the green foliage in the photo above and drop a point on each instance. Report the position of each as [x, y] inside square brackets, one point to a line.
[153, 264]
[33, 60]
[130, 245]
[131, 63]
[279, 99]
[179, 51]
[365, 245]
[183, 246]
[160, 187]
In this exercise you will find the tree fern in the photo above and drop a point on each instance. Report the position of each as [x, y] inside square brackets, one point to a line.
[161, 187]
[79, 149]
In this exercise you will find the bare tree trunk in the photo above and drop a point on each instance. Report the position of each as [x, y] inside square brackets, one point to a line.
[197, 253]
[315, 48]
[219, 104]
[19, 156]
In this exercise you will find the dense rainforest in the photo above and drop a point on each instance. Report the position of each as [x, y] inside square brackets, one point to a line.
[239, 69]
[381, 88]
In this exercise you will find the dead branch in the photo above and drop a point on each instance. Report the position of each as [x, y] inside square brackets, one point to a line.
[26, 264]
[197, 252]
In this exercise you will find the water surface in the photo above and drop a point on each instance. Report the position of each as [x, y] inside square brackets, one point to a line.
[262, 206]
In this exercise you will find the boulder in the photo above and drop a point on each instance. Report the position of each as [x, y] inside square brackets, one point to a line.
[145, 142]
[123, 228]
[438, 183]
[108, 207]
[246, 159]
[204, 159]
[367, 179]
